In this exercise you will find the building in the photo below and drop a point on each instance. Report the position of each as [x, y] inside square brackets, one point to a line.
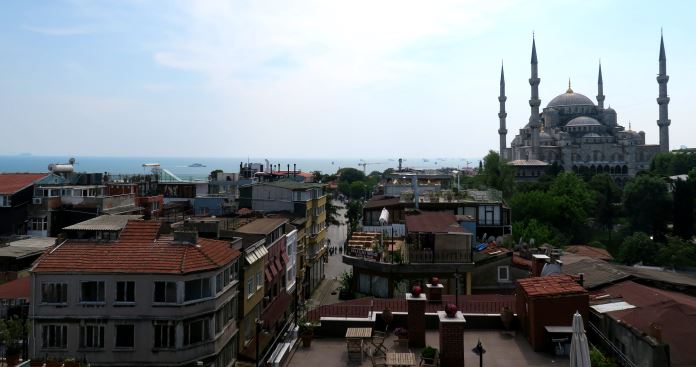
[307, 203]
[103, 227]
[16, 192]
[19, 253]
[144, 299]
[579, 135]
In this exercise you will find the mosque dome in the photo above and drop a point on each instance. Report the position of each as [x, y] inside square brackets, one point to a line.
[583, 121]
[570, 98]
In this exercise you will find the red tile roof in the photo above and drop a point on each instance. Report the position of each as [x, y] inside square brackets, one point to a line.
[521, 262]
[551, 285]
[16, 289]
[591, 252]
[13, 182]
[674, 312]
[433, 222]
[137, 250]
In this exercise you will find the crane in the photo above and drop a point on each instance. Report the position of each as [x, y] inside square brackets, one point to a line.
[365, 164]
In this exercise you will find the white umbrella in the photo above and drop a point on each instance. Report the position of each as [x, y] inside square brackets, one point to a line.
[579, 349]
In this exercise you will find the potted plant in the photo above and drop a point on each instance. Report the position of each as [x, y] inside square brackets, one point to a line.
[345, 291]
[12, 334]
[306, 330]
[71, 362]
[435, 281]
[506, 316]
[52, 362]
[451, 310]
[388, 317]
[401, 333]
[429, 354]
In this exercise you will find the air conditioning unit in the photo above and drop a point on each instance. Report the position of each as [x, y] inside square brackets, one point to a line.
[37, 201]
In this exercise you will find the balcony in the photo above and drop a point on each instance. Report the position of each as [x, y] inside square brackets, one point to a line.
[407, 260]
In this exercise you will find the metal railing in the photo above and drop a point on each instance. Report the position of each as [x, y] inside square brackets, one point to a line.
[339, 310]
[607, 345]
[440, 256]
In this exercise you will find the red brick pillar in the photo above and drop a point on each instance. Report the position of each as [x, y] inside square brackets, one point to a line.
[451, 339]
[434, 292]
[416, 320]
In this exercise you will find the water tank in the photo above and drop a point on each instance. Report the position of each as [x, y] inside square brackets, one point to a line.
[60, 168]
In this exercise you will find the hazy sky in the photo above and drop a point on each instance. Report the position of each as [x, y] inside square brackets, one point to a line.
[323, 78]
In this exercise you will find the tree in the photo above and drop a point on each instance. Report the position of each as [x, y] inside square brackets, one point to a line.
[638, 247]
[498, 174]
[607, 196]
[534, 229]
[571, 186]
[317, 176]
[351, 175]
[357, 190]
[213, 173]
[13, 331]
[676, 253]
[647, 205]
[332, 216]
[660, 164]
[683, 209]
[344, 188]
[354, 214]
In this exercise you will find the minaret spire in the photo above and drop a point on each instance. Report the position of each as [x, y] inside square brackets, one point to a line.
[502, 131]
[534, 103]
[663, 99]
[600, 88]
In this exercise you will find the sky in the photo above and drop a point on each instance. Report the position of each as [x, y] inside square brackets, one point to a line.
[320, 78]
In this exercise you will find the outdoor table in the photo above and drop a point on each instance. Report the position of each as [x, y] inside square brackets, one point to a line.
[358, 332]
[401, 359]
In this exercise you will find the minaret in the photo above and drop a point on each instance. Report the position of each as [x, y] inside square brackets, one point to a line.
[534, 103]
[663, 100]
[502, 114]
[600, 89]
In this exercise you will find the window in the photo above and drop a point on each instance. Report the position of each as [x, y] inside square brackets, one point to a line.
[228, 353]
[196, 331]
[259, 280]
[218, 282]
[38, 224]
[165, 335]
[92, 336]
[504, 273]
[92, 292]
[54, 336]
[54, 293]
[125, 292]
[197, 289]
[165, 292]
[5, 200]
[224, 315]
[125, 336]
[250, 288]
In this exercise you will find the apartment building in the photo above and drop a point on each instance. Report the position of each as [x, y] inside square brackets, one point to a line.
[15, 197]
[143, 299]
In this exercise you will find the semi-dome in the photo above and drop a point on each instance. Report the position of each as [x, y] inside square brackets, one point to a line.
[583, 121]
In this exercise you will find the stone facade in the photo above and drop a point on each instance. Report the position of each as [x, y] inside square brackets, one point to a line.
[581, 136]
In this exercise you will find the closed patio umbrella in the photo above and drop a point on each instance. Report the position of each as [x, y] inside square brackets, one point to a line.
[579, 349]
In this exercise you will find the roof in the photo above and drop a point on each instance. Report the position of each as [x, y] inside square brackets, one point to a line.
[591, 252]
[13, 182]
[262, 226]
[527, 162]
[433, 222]
[294, 185]
[380, 201]
[583, 121]
[16, 289]
[138, 249]
[552, 285]
[596, 273]
[673, 312]
[103, 223]
[26, 247]
[659, 275]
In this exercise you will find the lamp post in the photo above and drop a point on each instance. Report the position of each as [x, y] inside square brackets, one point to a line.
[478, 349]
[456, 291]
[457, 174]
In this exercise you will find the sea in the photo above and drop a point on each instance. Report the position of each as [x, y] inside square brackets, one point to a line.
[181, 166]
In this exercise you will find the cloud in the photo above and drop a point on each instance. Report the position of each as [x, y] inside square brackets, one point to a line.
[59, 31]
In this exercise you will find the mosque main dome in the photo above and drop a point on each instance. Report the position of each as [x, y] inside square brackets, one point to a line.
[570, 98]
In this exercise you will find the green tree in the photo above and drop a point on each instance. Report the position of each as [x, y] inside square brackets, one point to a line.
[354, 214]
[661, 163]
[647, 205]
[533, 229]
[344, 188]
[358, 190]
[607, 199]
[676, 253]
[638, 247]
[498, 174]
[332, 216]
[317, 176]
[350, 175]
[683, 209]
[571, 186]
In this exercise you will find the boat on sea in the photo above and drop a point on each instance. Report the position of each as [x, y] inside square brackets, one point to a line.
[196, 165]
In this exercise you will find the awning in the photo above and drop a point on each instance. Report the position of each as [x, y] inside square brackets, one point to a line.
[273, 269]
[279, 265]
[268, 276]
[276, 309]
[285, 258]
[256, 254]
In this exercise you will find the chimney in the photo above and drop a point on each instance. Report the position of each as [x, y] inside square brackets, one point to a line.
[538, 262]
[294, 169]
[288, 170]
[581, 281]
[185, 237]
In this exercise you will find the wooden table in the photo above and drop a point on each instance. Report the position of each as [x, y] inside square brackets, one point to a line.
[358, 332]
[401, 359]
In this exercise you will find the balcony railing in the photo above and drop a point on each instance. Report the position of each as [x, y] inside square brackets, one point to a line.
[414, 256]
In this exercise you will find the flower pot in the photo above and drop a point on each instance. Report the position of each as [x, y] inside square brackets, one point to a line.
[506, 316]
[307, 339]
[387, 316]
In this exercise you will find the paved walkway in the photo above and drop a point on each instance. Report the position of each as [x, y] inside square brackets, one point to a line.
[335, 267]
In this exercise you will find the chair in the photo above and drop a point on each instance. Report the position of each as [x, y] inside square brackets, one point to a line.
[378, 361]
[434, 362]
[378, 342]
[355, 347]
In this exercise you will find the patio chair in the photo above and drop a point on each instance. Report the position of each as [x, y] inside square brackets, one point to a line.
[378, 361]
[355, 347]
[378, 342]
